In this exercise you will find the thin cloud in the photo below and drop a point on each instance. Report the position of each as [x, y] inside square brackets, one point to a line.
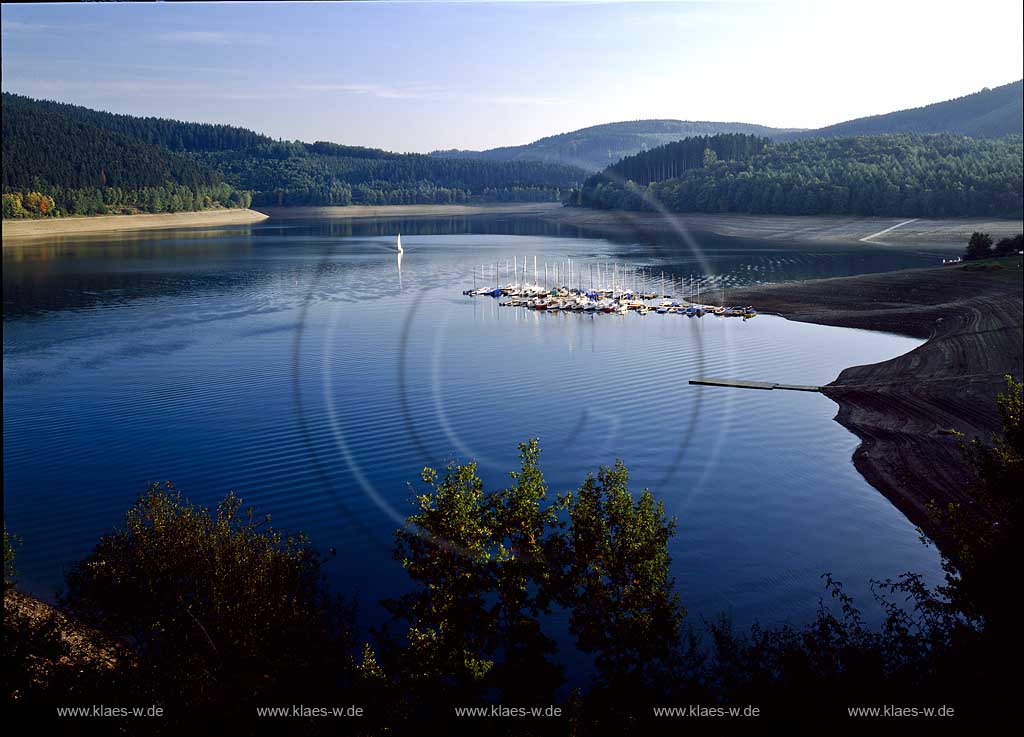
[136, 88]
[413, 92]
[219, 38]
[14, 26]
[425, 92]
[169, 68]
[523, 100]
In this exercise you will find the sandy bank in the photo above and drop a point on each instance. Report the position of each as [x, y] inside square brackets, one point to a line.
[385, 211]
[902, 409]
[23, 230]
[953, 233]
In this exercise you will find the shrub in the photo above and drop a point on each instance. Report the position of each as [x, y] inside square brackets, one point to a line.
[224, 609]
[979, 246]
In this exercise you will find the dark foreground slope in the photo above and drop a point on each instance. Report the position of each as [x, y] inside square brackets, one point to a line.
[903, 409]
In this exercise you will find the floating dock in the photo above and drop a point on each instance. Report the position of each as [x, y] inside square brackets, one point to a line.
[764, 385]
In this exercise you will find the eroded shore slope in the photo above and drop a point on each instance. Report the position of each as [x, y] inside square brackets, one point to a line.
[903, 409]
[18, 232]
[951, 233]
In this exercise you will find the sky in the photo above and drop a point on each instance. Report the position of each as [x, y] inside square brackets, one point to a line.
[419, 76]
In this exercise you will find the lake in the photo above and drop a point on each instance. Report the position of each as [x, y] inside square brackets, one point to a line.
[294, 362]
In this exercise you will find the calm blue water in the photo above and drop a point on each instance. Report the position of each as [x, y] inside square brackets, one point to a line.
[294, 363]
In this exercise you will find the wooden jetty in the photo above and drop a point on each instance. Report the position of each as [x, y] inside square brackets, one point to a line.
[765, 385]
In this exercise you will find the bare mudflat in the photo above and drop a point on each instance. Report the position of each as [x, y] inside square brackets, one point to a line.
[903, 409]
[953, 233]
[387, 211]
[19, 231]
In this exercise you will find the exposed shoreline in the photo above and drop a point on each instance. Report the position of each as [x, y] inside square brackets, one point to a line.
[952, 233]
[18, 232]
[902, 409]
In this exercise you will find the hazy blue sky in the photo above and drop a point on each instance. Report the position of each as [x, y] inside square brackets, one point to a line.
[419, 76]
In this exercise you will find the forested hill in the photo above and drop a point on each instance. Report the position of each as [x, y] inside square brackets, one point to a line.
[54, 165]
[899, 175]
[55, 147]
[294, 173]
[672, 159]
[173, 134]
[57, 150]
[989, 113]
[599, 146]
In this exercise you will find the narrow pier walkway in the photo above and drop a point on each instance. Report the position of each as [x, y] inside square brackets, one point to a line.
[742, 384]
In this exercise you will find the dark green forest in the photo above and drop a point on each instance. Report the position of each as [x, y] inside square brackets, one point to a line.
[65, 159]
[294, 173]
[55, 165]
[87, 161]
[173, 134]
[915, 175]
[672, 159]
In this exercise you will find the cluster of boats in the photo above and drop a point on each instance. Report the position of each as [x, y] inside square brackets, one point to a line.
[628, 291]
[604, 301]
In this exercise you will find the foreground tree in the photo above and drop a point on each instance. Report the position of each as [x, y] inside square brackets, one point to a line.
[223, 610]
[447, 550]
[979, 246]
[1010, 246]
[987, 532]
[489, 566]
[483, 579]
[621, 597]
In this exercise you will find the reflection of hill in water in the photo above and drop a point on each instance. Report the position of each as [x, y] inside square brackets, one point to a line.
[420, 225]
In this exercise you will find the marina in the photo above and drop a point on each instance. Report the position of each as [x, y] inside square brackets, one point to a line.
[599, 288]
